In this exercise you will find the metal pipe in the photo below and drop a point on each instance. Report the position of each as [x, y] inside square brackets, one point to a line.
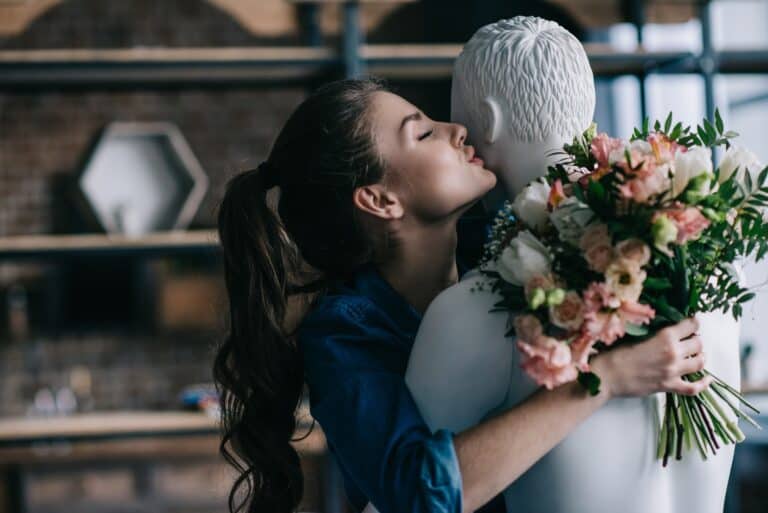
[708, 62]
[351, 40]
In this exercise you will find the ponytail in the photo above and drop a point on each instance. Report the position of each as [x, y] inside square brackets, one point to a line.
[324, 151]
[258, 368]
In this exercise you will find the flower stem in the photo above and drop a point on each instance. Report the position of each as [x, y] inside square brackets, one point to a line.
[709, 426]
[678, 429]
[698, 436]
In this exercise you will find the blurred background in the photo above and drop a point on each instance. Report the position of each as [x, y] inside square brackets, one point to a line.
[120, 122]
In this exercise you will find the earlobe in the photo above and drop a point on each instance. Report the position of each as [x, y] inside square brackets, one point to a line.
[491, 119]
[377, 201]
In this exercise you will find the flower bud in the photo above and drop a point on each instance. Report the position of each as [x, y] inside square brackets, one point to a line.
[555, 297]
[664, 231]
[538, 298]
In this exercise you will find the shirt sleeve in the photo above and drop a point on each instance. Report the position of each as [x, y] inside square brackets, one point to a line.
[371, 421]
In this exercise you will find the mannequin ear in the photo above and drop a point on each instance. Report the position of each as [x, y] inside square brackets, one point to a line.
[492, 119]
[377, 201]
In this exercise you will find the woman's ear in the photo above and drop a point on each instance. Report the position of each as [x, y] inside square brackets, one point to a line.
[377, 201]
[491, 113]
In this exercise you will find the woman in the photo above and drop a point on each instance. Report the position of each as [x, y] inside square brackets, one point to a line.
[370, 192]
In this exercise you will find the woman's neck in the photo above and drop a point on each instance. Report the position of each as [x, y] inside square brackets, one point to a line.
[423, 263]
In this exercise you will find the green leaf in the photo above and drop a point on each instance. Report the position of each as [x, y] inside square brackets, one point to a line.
[668, 123]
[636, 330]
[652, 283]
[718, 121]
[702, 135]
[590, 381]
[761, 178]
[710, 130]
[676, 132]
[746, 297]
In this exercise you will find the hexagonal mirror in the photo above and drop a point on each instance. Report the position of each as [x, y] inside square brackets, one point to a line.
[142, 177]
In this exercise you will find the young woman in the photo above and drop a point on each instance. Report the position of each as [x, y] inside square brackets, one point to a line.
[370, 193]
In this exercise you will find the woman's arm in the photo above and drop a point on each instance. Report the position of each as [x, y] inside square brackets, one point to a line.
[531, 429]
[386, 451]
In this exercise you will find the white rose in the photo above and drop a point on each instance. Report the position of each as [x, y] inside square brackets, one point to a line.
[689, 165]
[530, 204]
[524, 258]
[570, 218]
[741, 158]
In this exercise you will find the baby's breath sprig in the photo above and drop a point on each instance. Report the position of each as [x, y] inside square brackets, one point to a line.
[503, 229]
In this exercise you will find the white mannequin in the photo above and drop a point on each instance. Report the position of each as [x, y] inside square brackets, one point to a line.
[523, 87]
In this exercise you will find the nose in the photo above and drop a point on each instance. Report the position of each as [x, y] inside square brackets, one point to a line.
[459, 134]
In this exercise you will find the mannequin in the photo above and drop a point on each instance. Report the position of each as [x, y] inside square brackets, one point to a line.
[523, 87]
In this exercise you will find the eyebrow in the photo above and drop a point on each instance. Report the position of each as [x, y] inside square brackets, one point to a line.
[411, 117]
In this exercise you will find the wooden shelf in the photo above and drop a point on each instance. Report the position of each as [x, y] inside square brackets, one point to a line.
[103, 426]
[125, 431]
[160, 67]
[160, 243]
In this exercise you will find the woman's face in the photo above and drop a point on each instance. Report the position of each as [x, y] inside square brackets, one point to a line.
[428, 166]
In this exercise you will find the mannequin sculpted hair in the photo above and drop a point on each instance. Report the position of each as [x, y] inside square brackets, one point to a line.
[523, 87]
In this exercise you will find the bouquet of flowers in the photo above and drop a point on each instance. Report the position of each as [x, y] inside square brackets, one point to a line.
[621, 239]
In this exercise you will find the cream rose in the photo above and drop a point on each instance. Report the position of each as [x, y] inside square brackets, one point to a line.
[635, 250]
[597, 246]
[524, 258]
[531, 204]
[527, 328]
[569, 314]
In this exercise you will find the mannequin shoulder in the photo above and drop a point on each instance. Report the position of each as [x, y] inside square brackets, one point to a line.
[460, 315]
[470, 296]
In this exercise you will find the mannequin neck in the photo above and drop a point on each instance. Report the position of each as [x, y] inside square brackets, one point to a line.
[518, 163]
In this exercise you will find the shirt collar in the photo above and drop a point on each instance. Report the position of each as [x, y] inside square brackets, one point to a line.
[370, 283]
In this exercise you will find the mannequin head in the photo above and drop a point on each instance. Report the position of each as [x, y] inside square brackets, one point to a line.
[523, 87]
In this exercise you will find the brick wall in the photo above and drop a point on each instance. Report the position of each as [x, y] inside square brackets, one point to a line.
[43, 136]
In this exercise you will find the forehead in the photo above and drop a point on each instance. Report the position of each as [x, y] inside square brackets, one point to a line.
[388, 111]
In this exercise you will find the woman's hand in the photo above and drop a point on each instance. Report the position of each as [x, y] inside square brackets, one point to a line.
[654, 365]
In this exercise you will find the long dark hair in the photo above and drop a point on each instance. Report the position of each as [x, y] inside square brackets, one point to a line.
[324, 151]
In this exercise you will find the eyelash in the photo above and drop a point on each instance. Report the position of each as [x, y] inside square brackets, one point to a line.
[425, 135]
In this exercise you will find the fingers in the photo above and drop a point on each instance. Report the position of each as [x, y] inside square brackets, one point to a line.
[692, 364]
[690, 346]
[684, 328]
[680, 386]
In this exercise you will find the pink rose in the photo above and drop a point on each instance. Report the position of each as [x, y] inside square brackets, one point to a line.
[690, 223]
[635, 250]
[597, 246]
[569, 314]
[527, 328]
[547, 361]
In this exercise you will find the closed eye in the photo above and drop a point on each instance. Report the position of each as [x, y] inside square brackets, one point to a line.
[425, 135]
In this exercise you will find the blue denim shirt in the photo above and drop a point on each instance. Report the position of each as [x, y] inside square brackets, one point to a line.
[356, 342]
